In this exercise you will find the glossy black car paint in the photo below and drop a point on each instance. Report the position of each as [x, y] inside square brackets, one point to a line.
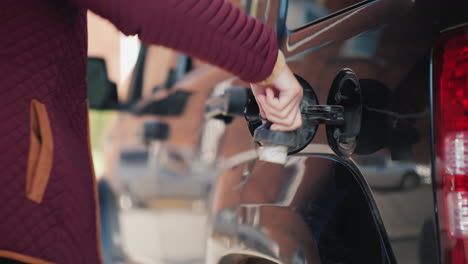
[321, 206]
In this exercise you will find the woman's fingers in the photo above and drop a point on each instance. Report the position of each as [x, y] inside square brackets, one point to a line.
[283, 100]
[289, 120]
[283, 113]
[260, 102]
[276, 112]
[279, 102]
[295, 125]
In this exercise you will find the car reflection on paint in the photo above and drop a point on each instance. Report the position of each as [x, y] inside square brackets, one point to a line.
[382, 173]
[171, 175]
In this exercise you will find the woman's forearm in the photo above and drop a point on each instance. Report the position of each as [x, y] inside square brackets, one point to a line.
[212, 30]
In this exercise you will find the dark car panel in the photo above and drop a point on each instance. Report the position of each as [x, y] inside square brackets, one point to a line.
[406, 135]
[388, 45]
[326, 218]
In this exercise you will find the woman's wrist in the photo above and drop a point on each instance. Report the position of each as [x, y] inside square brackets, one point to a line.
[279, 66]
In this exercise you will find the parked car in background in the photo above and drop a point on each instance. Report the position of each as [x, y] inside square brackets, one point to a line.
[154, 176]
[386, 174]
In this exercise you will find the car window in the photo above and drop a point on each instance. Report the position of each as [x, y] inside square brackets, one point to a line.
[301, 12]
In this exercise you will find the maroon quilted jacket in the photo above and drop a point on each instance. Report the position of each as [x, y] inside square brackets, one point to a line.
[47, 188]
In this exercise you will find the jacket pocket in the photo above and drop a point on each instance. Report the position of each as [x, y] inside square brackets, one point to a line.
[41, 152]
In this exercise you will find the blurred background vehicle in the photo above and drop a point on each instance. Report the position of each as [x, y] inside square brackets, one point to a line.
[138, 193]
[154, 185]
[386, 174]
[158, 183]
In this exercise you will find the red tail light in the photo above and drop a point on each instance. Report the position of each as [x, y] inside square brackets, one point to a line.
[451, 139]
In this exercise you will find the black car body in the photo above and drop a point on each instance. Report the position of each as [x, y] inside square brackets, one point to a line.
[320, 207]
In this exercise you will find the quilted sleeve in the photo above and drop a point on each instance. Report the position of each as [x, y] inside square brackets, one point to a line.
[212, 30]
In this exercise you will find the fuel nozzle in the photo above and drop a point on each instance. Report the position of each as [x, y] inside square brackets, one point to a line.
[274, 146]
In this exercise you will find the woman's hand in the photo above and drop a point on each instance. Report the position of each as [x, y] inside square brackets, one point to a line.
[279, 101]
